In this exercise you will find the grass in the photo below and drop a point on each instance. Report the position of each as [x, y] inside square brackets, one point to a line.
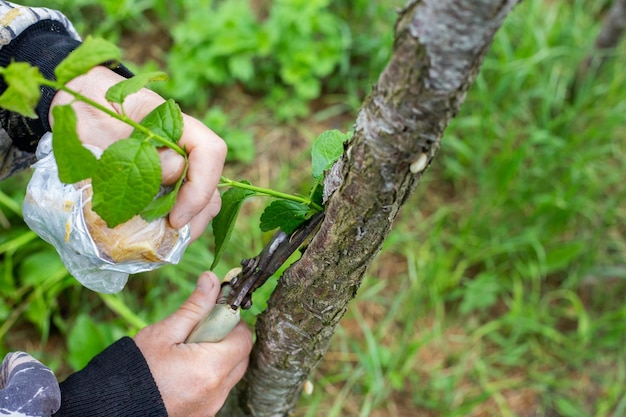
[500, 289]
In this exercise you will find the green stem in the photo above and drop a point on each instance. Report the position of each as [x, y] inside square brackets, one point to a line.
[226, 182]
[16, 311]
[121, 117]
[10, 204]
[149, 133]
[314, 190]
[115, 303]
[18, 242]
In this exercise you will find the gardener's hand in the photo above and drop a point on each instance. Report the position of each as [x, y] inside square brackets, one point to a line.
[199, 200]
[194, 379]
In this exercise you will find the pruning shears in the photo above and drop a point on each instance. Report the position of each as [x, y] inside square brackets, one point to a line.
[236, 292]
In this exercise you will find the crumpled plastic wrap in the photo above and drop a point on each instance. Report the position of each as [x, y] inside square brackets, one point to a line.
[98, 257]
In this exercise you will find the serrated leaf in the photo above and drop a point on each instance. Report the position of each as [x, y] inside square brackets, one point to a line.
[127, 178]
[286, 214]
[23, 92]
[327, 148]
[92, 52]
[224, 222]
[75, 162]
[165, 120]
[118, 92]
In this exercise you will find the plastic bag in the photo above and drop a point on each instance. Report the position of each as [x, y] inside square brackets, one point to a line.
[98, 257]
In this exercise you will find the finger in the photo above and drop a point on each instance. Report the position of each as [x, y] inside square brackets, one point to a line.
[141, 103]
[172, 165]
[241, 340]
[237, 373]
[180, 323]
[207, 153]
[236, 346]
[229, 381]
[200, 222]
[226, 383]
[233, 353]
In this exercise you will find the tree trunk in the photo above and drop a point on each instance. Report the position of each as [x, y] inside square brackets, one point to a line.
[607, 40]
[613, 27]
[438, 49]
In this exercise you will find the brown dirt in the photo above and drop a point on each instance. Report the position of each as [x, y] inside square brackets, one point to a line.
[141, 47]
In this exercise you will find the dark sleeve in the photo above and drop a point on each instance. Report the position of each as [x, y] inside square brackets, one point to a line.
[44, 45]
[117, 382]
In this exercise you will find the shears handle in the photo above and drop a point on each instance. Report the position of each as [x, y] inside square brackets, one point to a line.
[216, 326]
[221, 320]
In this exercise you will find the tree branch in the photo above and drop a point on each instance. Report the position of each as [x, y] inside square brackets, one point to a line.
[438, 48]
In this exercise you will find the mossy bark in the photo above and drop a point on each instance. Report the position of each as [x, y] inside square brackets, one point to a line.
[438, 49]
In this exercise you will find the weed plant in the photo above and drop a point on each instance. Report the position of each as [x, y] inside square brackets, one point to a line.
[500, 290]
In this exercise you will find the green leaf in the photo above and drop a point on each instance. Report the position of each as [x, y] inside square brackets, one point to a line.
[165, 121]
[86, 340]
[121, 90]
[162, 205]
[559, 258]
[75, 162]
[327, 148]
[224, 222]
[92, 52]
[241, 67]
[126, 180]
[480, 293]
[317, 194]
[159, 207]
[22, 93]
[38, 267]
[287, 215]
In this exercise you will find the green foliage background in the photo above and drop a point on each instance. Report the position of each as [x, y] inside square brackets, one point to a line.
[501, 288]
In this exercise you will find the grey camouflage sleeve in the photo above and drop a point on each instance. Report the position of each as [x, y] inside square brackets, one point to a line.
[27, 387]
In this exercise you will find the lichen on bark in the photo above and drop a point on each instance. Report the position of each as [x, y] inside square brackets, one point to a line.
[438, 48]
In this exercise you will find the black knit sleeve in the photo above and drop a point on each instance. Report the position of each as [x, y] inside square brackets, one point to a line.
[44, 45]
[117, 382]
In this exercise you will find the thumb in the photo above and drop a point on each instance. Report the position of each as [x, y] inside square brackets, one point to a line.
[181, 322]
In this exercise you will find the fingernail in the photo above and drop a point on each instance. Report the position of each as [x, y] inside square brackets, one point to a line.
[179, 220]
[205, 283]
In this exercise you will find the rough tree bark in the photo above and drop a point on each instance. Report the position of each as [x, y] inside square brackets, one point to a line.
[438, 49]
